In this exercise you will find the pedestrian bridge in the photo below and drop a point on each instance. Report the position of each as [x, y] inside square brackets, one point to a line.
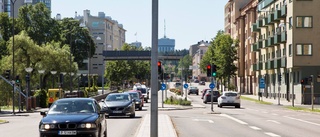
[136, 55]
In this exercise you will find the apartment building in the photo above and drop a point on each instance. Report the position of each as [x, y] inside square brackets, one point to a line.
[8, 5]
[282, 36]
[108, 34]
[197, 51]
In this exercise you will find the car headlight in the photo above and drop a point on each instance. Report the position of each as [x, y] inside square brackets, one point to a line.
[87, 125]
[130, 105]
[47, 126]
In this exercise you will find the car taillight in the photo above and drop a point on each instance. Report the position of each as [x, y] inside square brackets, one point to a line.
[207, 94]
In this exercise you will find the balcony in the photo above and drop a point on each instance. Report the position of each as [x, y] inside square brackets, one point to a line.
[283, 62]
[277, 15]
[259, 66]
[270, 19]
[284, 36]
[277, 39]
[269, 64]
[254, 67]
[265, 22]
[265, 43]
[259, 44]
[254, 28]
[283, 11]
[264, 3]
[254, 47]
[270, 41]
[259, 23]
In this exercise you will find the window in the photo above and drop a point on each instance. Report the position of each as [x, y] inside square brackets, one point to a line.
[304, 22]
[290, 50]
[304, 49]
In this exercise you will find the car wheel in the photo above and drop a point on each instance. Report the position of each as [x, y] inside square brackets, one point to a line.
[146, 100]
[133, 115]
[205, 102]
[140, 108]
[237, 106]
[220, 106]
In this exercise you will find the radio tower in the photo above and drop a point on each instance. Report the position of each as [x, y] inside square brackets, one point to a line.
[165, 29]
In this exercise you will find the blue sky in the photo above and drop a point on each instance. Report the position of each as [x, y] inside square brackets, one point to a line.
[187, 21]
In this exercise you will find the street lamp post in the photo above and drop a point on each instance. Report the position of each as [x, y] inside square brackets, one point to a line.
[41, 72]
[71, 81]
[84, 76]
[12, 8]
[53, 73]
[29, 70]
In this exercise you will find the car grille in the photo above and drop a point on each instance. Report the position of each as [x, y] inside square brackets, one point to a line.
[116, 108]
[67, 126]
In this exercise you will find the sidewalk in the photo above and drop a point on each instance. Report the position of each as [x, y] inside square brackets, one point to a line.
[165, 126]
[283, 102]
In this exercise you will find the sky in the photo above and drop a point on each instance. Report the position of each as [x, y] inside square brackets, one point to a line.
[186, 21]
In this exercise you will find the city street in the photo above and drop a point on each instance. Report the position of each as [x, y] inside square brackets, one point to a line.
[251, 120]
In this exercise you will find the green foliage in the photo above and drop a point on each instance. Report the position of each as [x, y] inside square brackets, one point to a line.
[184, 63]
[174, 101]
[232, 87]
[42, 94]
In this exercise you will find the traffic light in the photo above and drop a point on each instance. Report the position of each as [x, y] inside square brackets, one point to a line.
[208, 70]
[7, 74]
[17, 79]
[159, 67]
[214, 70]
[304, 81]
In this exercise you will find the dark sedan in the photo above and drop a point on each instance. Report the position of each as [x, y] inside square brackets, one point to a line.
[119, 104]
[207, 96]
[139, 99]
[74, 117]
[193, 90]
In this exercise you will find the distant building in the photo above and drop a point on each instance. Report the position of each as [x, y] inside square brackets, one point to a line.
[6, 5]
[136, 44]
[166, 45]
[197, 52]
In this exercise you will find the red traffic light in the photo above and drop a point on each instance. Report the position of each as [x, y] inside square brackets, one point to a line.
[159, 63]
[208, 66]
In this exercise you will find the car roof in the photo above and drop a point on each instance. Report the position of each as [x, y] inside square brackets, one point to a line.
[76, 99]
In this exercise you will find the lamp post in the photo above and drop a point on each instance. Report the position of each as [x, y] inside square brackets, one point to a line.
[61, 79]
[71, 81]
[41, 72]
[84, 76]
[53, 73]
[12, 8]
[79, 76]
[28, 70]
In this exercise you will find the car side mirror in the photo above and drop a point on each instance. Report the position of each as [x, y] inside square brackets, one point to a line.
[43, 113]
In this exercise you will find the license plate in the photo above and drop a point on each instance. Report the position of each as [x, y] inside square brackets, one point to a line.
[68, 132]
[117, 111]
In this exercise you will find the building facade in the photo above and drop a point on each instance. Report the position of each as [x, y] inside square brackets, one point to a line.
[136, 44]
[200, 50]
[166, 45]
[278, 48]
[8, 6]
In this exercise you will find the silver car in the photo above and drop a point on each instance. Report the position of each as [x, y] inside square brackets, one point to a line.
[229, 98]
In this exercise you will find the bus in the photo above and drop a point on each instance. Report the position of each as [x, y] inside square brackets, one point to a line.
[53, 95]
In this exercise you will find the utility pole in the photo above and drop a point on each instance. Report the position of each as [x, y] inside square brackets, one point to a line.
[312, 91]
[154, 74]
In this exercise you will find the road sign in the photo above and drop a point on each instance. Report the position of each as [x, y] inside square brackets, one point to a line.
[185, 86]
[211, 85]
[163, 86]
[261, 83]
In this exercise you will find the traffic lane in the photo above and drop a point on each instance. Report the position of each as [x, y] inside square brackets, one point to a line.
[126, 126]
[197, 122]
[26, 125]
[274, 119]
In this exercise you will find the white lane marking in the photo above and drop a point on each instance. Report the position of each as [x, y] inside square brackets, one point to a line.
[274, 114]
[234, 119]
[272, 134]
[273, 121]
[255, 128]
[210, 121]
[302, 120]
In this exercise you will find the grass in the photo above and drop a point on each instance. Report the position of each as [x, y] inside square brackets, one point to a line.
[175, 101]
[303, 109]
[255, 100]
[2, 121]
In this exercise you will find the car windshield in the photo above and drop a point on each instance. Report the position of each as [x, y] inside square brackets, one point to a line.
[193, 87]
[230, 94]
[117, 97]
[134, 95]
[72, 106]
[214, 92]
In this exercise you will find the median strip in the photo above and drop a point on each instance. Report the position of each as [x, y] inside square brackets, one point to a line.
[255, 100]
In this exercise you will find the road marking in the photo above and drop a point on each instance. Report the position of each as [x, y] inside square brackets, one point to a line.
[255, 128]
[273, 121]
[210, 121]
[274, 114]
[302, 120]
[272, 134]
[234, 119]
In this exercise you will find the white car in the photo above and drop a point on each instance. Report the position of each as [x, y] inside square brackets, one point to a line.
[229, 98]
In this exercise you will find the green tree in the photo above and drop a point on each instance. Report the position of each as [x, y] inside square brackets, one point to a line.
[184, 64]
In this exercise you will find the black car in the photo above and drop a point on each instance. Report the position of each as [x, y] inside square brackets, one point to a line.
[120, 104]
[73, 117]
[207, 96]
[135, 95]
[193, 90]
[202, 83]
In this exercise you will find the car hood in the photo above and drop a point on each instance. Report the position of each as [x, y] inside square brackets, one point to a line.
[73, 118]
[117, 103]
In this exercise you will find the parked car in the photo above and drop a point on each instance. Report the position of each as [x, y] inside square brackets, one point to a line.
[207, 96]
[138, 99]
[196, 81]
[229, 98]
[119, 104]
[73, 117]
[177, 84]
[193, 90]
[202, 83]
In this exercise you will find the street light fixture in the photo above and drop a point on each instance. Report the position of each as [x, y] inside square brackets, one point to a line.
[53, 73]
[29, 70]
[41, 72]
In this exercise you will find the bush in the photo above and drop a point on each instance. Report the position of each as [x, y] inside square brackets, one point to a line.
[42, 94]
[174, 101]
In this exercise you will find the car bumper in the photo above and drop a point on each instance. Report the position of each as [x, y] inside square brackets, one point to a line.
[208, 99]
[80, 133]
[229, 104]
[127, 112]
